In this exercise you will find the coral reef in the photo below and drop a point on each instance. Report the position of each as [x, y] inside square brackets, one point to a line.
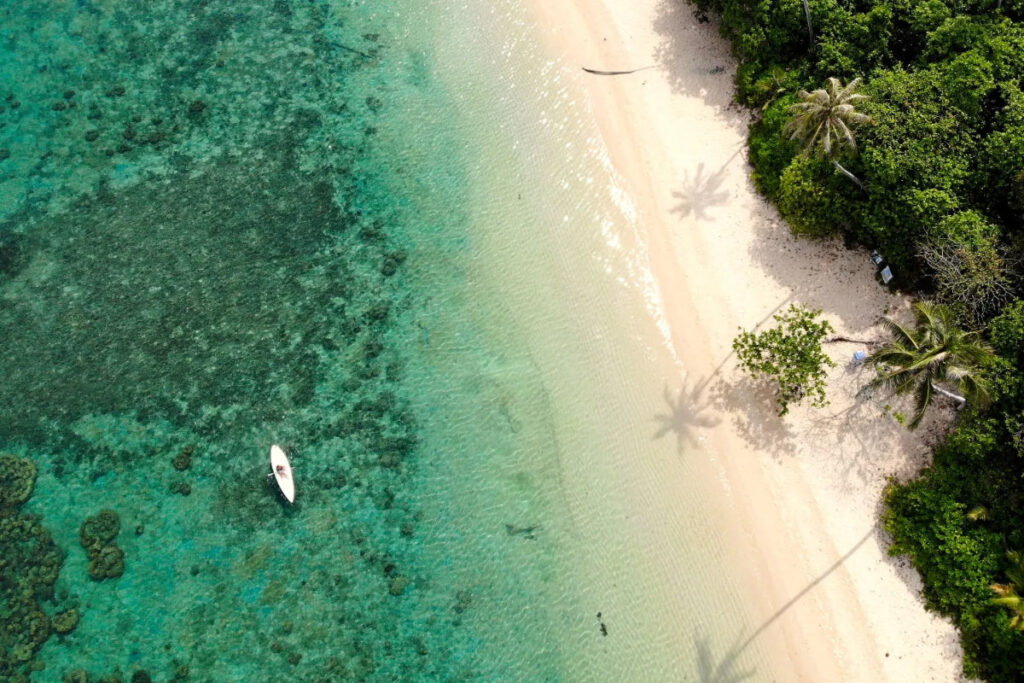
[66, 621]
[183, 460]
[182, 488]
[98, 536]
[18, 481]
[29, 565]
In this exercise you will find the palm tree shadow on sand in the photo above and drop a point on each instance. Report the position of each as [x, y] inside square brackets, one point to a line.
[685, 415]
[726, 669]
[702, 191]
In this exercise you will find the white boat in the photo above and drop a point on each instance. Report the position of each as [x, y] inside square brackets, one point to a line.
[282, 472]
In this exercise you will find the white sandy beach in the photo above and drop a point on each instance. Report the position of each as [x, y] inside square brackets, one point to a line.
[805, 489]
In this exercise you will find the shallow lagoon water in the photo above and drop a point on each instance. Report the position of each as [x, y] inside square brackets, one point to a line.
[384, 237]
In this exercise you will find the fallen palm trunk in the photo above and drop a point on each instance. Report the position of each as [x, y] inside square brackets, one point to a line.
[615, 73]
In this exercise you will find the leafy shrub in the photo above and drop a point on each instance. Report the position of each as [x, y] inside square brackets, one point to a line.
[789, 356]
[807, 198]
[770, 150]
[967, 80]
[967, 266]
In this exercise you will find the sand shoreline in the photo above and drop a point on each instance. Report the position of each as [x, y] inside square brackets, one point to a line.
[805, 491]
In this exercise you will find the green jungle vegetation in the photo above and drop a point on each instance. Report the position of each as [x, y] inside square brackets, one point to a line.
[898, 125]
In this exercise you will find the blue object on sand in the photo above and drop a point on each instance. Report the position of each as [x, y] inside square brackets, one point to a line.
[860, 356]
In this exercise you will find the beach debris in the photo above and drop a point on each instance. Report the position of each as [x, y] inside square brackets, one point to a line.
[524, 531]
[885, 270]
[98, 535]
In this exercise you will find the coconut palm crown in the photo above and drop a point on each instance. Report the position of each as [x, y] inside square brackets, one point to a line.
[936, 352]
[824, 119]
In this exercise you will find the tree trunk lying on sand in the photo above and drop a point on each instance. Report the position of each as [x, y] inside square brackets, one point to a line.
[833, 340]
[615, 73]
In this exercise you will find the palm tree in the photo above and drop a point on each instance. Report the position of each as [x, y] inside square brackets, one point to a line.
[824, 119]
[1008, 593]
[936, 352]
[810, 28]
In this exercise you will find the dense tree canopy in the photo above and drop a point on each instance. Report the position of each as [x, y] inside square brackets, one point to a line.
[942, 164]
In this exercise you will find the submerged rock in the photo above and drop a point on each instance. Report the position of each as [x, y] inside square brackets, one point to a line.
[183, 460]
[182, 488]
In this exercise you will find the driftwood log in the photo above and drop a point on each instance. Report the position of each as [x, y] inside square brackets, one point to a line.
[615, 73]
[868, 342]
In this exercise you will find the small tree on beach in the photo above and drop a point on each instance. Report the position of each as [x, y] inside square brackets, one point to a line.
[789, 356]
[824, 119]
[934, 353]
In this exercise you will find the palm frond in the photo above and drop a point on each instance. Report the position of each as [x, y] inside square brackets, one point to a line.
[921, 402]
[845, 134]
[900, 333]
[823, 118]
[848, 91]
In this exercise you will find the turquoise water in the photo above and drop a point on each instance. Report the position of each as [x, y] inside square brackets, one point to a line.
[326, 225]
